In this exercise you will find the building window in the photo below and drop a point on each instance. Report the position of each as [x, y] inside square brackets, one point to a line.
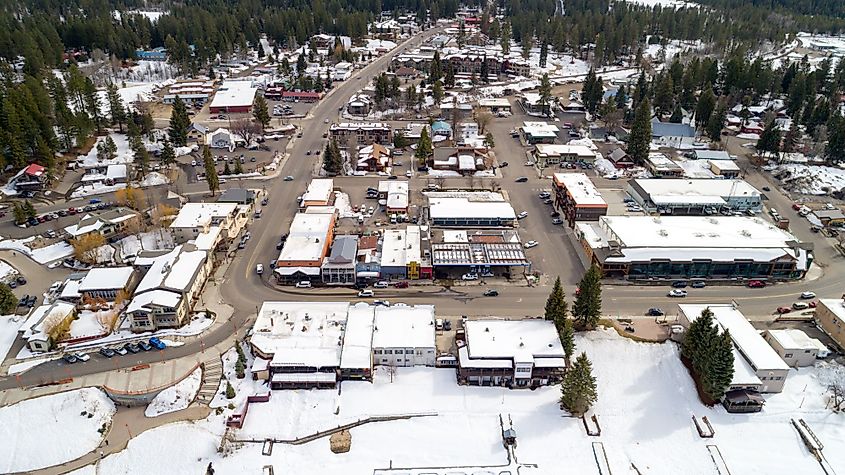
[376, 352]
[384, 360]
[787, 355]
[409, 352]
[388, 352]
[778, 378]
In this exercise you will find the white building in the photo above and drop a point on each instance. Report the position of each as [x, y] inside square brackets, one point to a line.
[233, 96]
[795, 347]
[553, 154]
[320, 192]
[404, 335]
[107, 282]
[694, 196]
[756, 365]
[197, 218]
[469, 208]
[35, 330]
[356, 357]
[395, 194]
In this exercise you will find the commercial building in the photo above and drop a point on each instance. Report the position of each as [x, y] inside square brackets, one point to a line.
[106, 282]
[553, 154]
[668, 134]
[830, 316]
[320, 192]
[403, 335]
[195, 219]
[361, 133]
[309, 239]
[539, 132]
[469, 209]
[495, 104]
[240, 196]
[717, 155]
[756, 365]
[578, 198]
[794, 346]
[667, 247]
[339, 266]
[660, 165]
[513, 353]
[694, 196]
[356, 357]
[724, 168]
[395, 196]
[485, 252]
[402, 255]
[233, 97]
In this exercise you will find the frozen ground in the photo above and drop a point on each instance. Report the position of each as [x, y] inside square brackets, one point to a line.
[176, 397]
[53, 429]
[95, 189]
[88, 324]
[646, 400]
[7, 272]
[811, 179]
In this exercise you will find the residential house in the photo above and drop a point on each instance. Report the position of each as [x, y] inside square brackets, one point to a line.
[620, 158]
[197, 133]
[532, 105]
[197, 218]
[359, 104]
[37, 327]
[440, 128]
[374, 158]
[32, 178]
[111, 223]
[240, 196]
[223, 138]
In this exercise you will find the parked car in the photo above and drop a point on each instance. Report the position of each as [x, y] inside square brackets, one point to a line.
[755, 284]
[82, 356]
[782, 310]
[698, 284]
[259, 269]
[677, 293]
[808, 295]
[144, 346]
[544, 195]
[22, 302]
[365, 293]
[557, 221]
[469, 276]
[530, 244]
[303, 284]
[402, 285]
[70, 359]
[120, 350]
[679, 284]
[21, 280]
[491, 293]
[289, 178]
[503, 164]
[132, 348]
[265, 201]
[107, 352]
[157, 343]
[800, 305]
[447, 325]
[554, 214]
[654, 312]
[381, 285]
[383, 303]
[522, 215]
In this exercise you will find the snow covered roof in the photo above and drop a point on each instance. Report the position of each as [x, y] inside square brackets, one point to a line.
[686, 190]
[300, 333]
[70, 289]
[358, 337]
[836, 307]
[174, 271]
[470, 204]
[404, 326]
[193, 215]
[400, 246]
[146, 300]
[234, 94]
[360, 126]
[307, 237]
[793, 339]
[540, 129]
[33, 326]
[661, 162]
[724, 165]
[466, 162]
[206, 241]
[558, 150]
[509, 339]
[318, 191]
[580, 188]
[106, 278]
[494, 102]
[759, 354]
[711, 155]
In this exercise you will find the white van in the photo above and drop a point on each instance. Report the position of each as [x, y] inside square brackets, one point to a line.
[438, 324]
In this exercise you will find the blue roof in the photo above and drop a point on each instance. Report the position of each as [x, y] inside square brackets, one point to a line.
[669, 129]
[440, 125]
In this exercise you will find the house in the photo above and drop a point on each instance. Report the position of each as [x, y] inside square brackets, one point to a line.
[512, 353]
[107, 282]
[553, 154]
[197, 218]
[155, 54]
[223, 138]
[361, 133]
[33, 177]
[413, 131]
[109, 223]
[374, 158]
[359, 104]
[339, 266]
[539, 132]
[37, 328]
[698, 247]
[406, 72]
[830, 217]
[240, 196]
[197, 133]
[668, 134]
[793, 346]
[531, 104]
[233, 96]
[830, 317]
[403, 335]
[578, 198]
[107, 175]
[169, 289]
[469, 209]
[309, 240]
[464, 160]
[757, 367]
[620, 158]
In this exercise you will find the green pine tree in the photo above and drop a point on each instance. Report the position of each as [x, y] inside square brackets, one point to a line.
[210, 171]
[717, 120]
[578, 389]
[168, 154]
[720, 366]
[566, 333]
[695, 335]
[19, 213]
[546, 95]
[239, 369]
[587, 307]
[8, 301]
[639, 140]
[226, 170]
[489, 141]
[332, 159]
[556, 306]
[705, 106]
[261, 113]
[230, 391]
[180, 123]
[239, 169]
[424, 147]
[677, 115]
[769, 140]
[29, 210]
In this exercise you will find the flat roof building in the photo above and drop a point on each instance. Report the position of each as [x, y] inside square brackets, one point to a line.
[469, 208]
[356, 357]
[694, 196]
[794, 346]
[552, 154]
[480, 251]
[395, 194]
[402, 256]
[198, 218]
[539, 132]
[578, 198]
[320, 192]
[670, 247]
[107, 282]
[309, 238]
[660, 165]
[830, 316]
[513, 353]
[403, 335]
[767, 370]
[233, 97]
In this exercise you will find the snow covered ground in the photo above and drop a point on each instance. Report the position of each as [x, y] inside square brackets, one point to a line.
[154, 179]
[53, 429]
[811, 179]
[7, 272]
[149, 241]
[176, 397]
[96, 189]
[9, 325]
[88, 324]
[42, 255]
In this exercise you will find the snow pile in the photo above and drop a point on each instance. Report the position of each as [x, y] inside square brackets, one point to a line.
[103, 254]
[96, 189]
[176, 397]
[149, 241]
[811, 179]
[53, 429]
[7, 272]
[154, 179]
[9, 325]
[344, 209]
[88, 324]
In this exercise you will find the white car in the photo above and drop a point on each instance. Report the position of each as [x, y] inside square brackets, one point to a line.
[522, 215]
[82, 356]
[381, 285]
[409, 174]
[469, 277]
[530, 244]
[677, 293]
[193, 163]
[808, 295]
[365, 293]
[259, 269]
[303, 284]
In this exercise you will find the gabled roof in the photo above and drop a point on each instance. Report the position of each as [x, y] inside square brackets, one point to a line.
[668, 129]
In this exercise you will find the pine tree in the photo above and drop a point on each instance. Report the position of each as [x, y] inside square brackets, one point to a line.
[566, 334]
[705, 106]
[260, 112]
[695, 335]
[621, 98]
[210, 171]
[399, 140]
[578, 389]
[449, 81]
[544, 52]
[180, 123]
[556, 306]
[717, 120]
[8, 301]
[720, 368]
[226, 170]
[587, 307]
[230, 391]
[424, 147]
[19, 213]
[332, 159]
[92, 104]
[663, 94]
[437, 92]
[835, 150]
[546, 95]
[677, 115]
[29, 209]
[142, 159]
[489, 141]
[239, 169]
[791, 139]
[769, 140]
[462, 35]
[639, 140]
[239, 369]
[505, 38]
[435, 72]
[485, 70]
[168, 155]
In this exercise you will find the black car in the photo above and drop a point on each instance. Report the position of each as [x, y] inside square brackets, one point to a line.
[132, 348]
[679, 284]
[70, 359]
[555, 214]
[265, 201]
[491, 293]
[521, 179]
[422, 168]
[308, 152]
[107, 352]
[503, 164]
[22, 302]
[654, 312]
[21, 280]
[280, 245]
[31, 301]
[766, 188]
[447, 325]
[392, 177]
[145, 346]
[359, 285]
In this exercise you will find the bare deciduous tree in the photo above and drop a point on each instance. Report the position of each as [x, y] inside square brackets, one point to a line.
[833, 375]
[246, 129]
[483, 119]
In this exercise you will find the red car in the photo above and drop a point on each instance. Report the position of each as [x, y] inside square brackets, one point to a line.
[796, 206]
[756, 284]
[401, 285]
[782, 310]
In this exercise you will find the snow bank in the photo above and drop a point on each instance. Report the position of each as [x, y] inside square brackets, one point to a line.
[154, 179]
[53, 429]
[811, 179]
[176, 397]
[9, 325]
[96, 189]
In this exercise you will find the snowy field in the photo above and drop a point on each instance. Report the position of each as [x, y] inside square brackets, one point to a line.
[176, 397]
[646, 400]
[811, 179]
[50, 430]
